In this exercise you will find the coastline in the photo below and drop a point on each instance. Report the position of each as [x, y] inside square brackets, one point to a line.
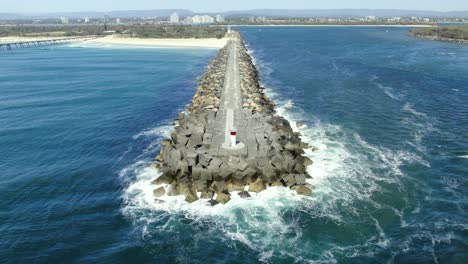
[331, 25]
[433, 38]
[182, 43]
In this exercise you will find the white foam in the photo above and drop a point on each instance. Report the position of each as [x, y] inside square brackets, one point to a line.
[344, 175]
[162, 131]
[389, 91]
[409, 108]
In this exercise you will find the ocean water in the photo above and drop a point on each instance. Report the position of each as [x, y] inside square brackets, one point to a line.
[80, 124]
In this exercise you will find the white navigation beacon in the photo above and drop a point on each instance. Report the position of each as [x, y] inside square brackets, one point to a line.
[233, 138]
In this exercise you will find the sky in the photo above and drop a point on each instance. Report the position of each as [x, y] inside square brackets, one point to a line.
[46, 6]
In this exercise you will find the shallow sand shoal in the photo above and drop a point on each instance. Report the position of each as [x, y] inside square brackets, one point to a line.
[195, 43]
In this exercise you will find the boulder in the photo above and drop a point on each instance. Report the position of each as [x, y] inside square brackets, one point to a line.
[269, 173]
[302, 190]
[191, 196]
[163, 179]
[196, 172]
[207, 194]
[304, 145]
[220, 186]
[213, 202]
[234, 187]
[182, 168]
[299, 168]
[205, 174]
[175, 155]
[289, 180]
[291, 147]
[194, 141]
[215, 162]
[257, 186]
[204, 160]
[192, 159]
[159, 157]
[249, 174]
[277, 184]
[199, 185]
[222, 198]
[173, 191]
[159, 192]
[307, 161]
[154, 166]
[300, 179]
[244, 194]
[242, 165]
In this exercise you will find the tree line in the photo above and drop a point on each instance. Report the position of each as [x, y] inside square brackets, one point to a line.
[449, 32]
[137, 31]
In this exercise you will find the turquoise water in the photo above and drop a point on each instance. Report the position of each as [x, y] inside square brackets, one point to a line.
[388, 114]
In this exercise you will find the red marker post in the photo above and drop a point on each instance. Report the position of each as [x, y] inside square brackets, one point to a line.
[233, 138]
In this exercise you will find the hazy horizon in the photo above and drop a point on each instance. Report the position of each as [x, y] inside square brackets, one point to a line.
[54, 6]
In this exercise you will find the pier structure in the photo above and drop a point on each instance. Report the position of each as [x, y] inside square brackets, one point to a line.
[202, 160]
[41, 42]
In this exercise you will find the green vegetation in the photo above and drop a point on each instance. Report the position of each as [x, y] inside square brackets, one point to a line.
[137, 31]
[151, 31]
[442, 32]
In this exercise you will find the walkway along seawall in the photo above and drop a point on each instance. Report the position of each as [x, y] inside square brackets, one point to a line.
[201, 161]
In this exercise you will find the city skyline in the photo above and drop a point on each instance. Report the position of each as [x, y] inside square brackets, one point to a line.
[49, 6]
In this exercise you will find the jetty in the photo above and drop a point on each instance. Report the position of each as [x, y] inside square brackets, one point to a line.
[230, 139]
[41, 42]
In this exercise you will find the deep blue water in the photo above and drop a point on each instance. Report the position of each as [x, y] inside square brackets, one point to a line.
[388, 114]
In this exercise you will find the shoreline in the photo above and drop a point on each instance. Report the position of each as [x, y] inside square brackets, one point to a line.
[332, 25]
[154, 42]
[433, 38]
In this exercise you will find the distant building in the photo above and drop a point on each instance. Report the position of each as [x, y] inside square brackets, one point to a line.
[252, 19]
[188, 20]
[64, 20]
[106, 19]
[371, 18]
[261, 19]
[202, 19]
[174, 18]
[86, 20]
[117, 21]
[220, 18]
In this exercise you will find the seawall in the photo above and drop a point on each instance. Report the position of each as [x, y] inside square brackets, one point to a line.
[194, 162]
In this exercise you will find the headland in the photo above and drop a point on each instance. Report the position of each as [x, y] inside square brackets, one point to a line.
[452, 33]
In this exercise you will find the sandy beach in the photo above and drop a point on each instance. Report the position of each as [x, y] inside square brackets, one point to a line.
[189, 43]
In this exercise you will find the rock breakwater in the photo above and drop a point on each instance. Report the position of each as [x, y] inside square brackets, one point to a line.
[192, 161]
